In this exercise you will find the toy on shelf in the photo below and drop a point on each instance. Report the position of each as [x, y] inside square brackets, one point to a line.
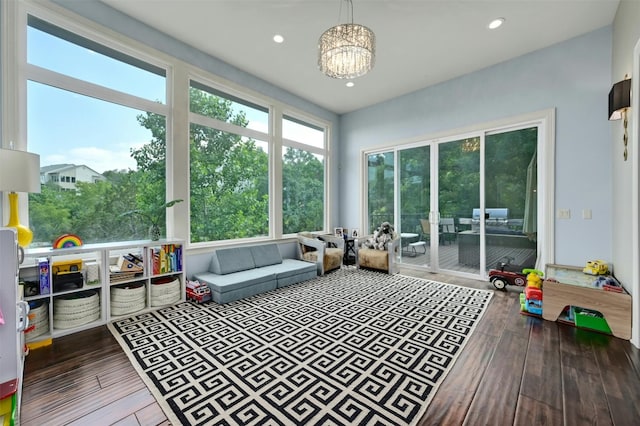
[596, 267]
[531, 299]
[67, 241]
[607, 283]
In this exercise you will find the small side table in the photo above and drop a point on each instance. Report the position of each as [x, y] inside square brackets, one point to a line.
[349, 257]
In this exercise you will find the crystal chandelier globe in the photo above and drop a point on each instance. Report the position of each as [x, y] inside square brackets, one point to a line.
[347, 50]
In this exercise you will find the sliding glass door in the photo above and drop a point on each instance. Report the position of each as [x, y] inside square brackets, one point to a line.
[380, 190]
[510, 215]
[415, 204]
[458, 193]
[464, 205]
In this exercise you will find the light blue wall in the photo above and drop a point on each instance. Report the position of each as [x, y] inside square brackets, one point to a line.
[574, 77]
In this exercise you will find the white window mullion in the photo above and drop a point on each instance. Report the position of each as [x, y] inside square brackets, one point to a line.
[275, 173]
[227, 127]
[61, 81]
[11, 44]
[298, 145]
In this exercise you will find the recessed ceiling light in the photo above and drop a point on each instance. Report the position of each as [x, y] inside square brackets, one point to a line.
[278, 38]
[496, 23]
[350, 84]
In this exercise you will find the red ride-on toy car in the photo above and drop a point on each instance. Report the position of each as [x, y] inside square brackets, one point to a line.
[500, 279]
[507, 274]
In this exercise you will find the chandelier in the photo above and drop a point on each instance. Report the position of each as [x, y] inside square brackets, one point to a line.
[347, 50]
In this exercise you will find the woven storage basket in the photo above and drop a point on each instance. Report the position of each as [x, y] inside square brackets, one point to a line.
[165, 291]
[129, 298]
[76, 309]
[38, 319]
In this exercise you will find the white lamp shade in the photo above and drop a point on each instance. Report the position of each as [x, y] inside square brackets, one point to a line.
[19, 171]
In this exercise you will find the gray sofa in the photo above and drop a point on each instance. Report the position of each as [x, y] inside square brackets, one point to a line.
[239, 272]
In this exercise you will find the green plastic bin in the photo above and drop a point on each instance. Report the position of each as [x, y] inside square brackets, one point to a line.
[586, 318]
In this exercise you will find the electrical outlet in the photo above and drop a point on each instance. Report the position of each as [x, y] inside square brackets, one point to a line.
[564, 214]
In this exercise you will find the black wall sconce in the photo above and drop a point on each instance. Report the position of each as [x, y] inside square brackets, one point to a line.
[619, 101]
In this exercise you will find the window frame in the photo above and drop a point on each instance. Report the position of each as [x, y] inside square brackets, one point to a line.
[15, 74]
[324, 151]
[544, 120]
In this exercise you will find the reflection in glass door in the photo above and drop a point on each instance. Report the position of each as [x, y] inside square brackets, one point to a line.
[510, 215]
[380, 192]
[458, 194]
[414, 202]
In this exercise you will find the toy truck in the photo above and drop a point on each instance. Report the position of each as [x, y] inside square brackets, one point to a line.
[596, 267]
[198, 292]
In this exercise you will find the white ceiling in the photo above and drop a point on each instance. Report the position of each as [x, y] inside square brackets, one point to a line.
[419, 42]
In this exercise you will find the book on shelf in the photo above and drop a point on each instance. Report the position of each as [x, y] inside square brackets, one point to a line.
[129, 263]
[166, 259]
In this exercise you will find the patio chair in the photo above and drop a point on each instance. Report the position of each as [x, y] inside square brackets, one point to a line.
[448, 232]
[425, 230]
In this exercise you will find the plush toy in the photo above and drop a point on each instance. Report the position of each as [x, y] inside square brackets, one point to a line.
[381, 237]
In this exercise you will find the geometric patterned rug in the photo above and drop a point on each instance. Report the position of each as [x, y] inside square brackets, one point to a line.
[354, 347]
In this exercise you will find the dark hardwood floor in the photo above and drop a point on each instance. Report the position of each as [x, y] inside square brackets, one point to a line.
[514, 370]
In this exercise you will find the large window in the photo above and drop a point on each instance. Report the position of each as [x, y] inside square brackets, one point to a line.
[303, 170]
[229, 169]
[100, 116]
[108, 120]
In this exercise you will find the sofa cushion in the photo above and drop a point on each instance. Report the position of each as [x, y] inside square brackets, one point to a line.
[292, 271]
[265, 254]
[225, 288]
[236, 281]
[310, 256]
[372, 258]
[290, 267]
[243, 293]
[226, 261]
[332, 259]
[295, 279]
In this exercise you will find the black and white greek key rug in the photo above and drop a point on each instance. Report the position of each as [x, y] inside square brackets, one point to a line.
[354, 347]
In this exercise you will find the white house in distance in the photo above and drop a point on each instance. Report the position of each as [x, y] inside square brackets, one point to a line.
[66, 175]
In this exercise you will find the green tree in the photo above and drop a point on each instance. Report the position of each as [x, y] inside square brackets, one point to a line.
[50, 213]
[149, 179]
[228, 175]
[414, 187]
[302, 191]
[229, 178]
[380, 192]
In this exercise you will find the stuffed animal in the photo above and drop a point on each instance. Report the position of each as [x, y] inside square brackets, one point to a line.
[381, 237]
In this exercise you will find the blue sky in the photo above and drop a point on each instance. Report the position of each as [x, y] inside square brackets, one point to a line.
[66, 127]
